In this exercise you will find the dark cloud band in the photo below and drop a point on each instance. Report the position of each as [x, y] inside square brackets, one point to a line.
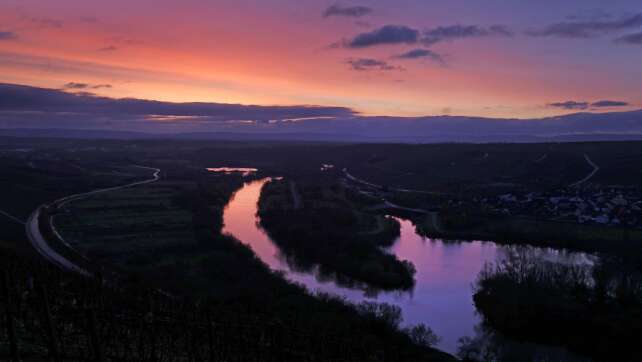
[607, 103]
[575, 105]
[78, 86]
[17, 98]
[570, 105]
[401, 34]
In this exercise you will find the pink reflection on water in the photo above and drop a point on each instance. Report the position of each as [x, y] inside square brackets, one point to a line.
[239, 220]
[243, 170]
[446, 271]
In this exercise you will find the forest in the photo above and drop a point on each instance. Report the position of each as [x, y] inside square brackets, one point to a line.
[594, 310]
[332, 232]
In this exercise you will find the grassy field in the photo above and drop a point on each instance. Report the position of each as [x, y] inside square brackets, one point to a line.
[30, 180]
[166, 233]
[120, 227]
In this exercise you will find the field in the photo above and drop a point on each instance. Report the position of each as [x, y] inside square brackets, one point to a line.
[167, 231]
[451, 168]
[117, 227]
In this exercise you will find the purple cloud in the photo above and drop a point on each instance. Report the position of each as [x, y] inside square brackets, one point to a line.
[362, 64]
[607, 103]
[421, 54]
[389, 34]
[347, 11]
[585, 105]
[7, 35]
[589, 28]
[401, 34]
[453, 32]
[18, 98]
[570, 105]
[74, 85]
[635, 39]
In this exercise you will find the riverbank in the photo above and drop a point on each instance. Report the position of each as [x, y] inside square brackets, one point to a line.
[620, 242]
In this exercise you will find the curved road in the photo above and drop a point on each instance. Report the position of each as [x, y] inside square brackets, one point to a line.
[39, 242]
[590, 175]
[396, 189]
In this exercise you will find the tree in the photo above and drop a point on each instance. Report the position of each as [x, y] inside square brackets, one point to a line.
[423, 335]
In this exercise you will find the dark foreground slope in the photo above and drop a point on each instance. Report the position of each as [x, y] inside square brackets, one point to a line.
[48, 313]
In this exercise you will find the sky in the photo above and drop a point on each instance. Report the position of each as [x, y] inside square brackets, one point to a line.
[492, 58]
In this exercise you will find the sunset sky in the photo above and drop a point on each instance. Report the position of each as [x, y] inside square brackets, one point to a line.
[493, 58]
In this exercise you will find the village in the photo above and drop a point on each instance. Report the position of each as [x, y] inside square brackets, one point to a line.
[588, 205]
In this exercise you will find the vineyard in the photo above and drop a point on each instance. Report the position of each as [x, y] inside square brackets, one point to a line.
[50, 314]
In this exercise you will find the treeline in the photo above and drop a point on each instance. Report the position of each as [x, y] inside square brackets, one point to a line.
[330, 232]
[592, 310]
[49, 314]
[619, 242]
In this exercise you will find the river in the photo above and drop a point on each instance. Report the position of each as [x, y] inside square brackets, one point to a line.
[446, 271]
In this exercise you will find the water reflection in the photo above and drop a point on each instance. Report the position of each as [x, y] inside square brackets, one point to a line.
[243, 170]
[446, 271]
